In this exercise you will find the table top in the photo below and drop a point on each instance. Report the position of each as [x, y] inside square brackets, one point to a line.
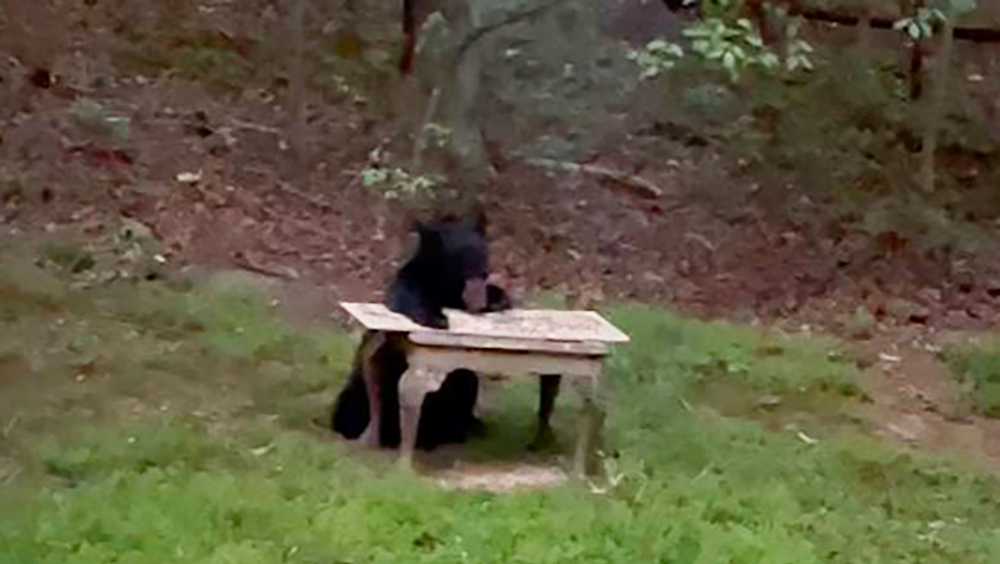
[523, 325]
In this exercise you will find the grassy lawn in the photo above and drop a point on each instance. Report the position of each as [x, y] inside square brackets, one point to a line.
[978, 369]
[150, 423]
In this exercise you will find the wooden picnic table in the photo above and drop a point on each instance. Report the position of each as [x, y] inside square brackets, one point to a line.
[516, 342]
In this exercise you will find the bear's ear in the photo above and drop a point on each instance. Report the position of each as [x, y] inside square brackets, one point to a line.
[429, 236]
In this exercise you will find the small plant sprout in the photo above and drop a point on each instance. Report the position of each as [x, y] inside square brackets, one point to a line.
[734, 44]
[437, 134]
[396, 183]
[798, 51]
[734, 47]
[920, 26]
[656, 57]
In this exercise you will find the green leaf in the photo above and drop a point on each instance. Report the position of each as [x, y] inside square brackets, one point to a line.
[372, 176]
[731, 33]
[729, 60]
[656, 45]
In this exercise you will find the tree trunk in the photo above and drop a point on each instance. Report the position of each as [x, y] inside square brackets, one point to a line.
[916, 56]
[864, 35]
[935, 105]
[297, 91]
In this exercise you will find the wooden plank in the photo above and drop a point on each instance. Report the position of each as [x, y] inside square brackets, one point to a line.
[505, 362]
[377, 317]
[442, 339]
[534, 325]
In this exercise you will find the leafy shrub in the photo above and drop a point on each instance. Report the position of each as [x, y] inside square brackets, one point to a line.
[978, 368]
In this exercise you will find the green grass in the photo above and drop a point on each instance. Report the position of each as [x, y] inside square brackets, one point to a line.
[977, 368]
[144, 425]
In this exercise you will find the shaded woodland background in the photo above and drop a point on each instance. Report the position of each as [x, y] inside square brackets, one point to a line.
[812, 175]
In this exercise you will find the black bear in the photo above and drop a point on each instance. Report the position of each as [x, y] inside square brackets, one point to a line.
[446, 415]
[448, 270]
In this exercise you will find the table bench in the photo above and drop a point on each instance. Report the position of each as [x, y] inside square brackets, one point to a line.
[573, 344]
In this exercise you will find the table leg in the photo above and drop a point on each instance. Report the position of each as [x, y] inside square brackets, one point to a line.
[370, 345]
[548, 389]
[373, 432]
[416, 383]
[590, 431]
